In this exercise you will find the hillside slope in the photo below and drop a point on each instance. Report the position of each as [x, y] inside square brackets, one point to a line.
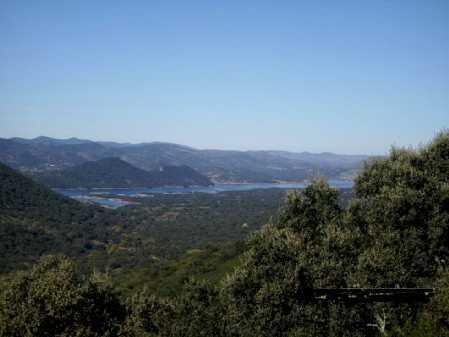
[114, 172]
[35, 221]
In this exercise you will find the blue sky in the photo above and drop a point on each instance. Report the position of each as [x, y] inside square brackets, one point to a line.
[340, 76]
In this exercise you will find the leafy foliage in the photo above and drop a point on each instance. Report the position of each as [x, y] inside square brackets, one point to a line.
[394, 234]
[53, 300]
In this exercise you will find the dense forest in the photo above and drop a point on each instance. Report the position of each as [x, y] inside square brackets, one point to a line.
[34, 221]
[393, 233]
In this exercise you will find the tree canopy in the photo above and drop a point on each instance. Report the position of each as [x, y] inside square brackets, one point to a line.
[394, 233]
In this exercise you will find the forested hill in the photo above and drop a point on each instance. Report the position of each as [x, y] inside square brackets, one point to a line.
[114, 172]
[35, 220]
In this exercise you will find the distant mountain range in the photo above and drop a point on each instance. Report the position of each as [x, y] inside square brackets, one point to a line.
[43, 154]
[114, 172]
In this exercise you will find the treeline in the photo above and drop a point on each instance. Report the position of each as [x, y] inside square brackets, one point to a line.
[394, 233]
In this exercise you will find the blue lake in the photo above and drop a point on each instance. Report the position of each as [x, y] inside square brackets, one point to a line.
[92, 194]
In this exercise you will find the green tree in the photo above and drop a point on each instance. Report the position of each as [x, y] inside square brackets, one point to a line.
[53, 300]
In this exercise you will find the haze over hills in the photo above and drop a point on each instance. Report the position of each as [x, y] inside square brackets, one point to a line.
[114, 172]
[44, 153]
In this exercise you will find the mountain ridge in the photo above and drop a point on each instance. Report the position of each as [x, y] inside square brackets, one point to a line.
[44, 154]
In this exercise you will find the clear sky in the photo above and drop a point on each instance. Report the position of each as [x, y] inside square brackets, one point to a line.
[340, 76]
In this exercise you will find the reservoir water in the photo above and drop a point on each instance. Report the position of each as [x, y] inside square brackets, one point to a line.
[99, 195]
